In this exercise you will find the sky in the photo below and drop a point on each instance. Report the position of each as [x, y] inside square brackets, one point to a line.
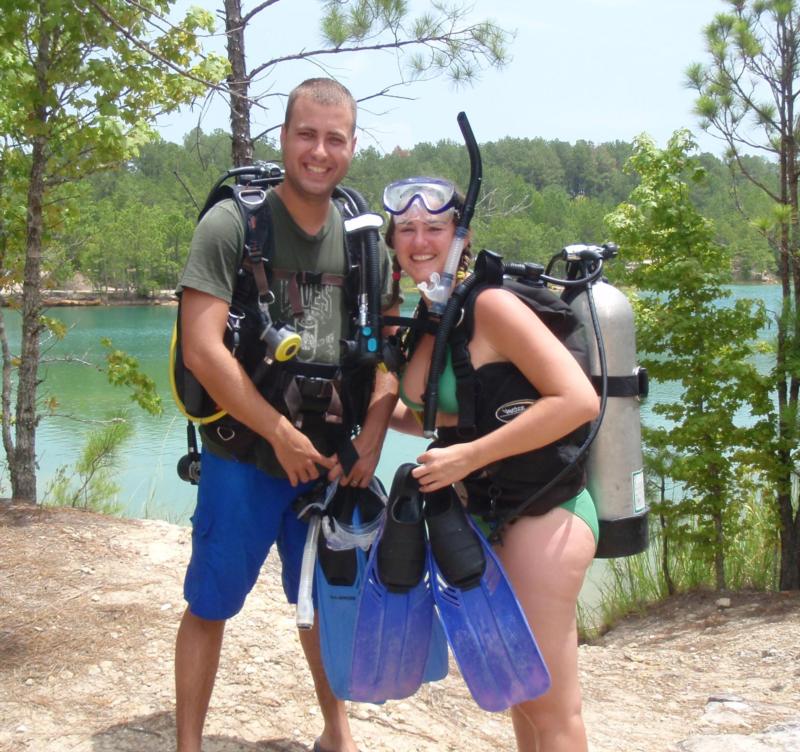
[597, 70]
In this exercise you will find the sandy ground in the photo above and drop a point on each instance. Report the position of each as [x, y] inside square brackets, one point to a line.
[89, 607]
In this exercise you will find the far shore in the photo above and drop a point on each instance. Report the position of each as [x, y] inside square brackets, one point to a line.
[87, 298]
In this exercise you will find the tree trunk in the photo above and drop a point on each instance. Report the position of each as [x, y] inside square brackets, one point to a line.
[719, 552]
[790, 339]
[5, 394]
[790, 541]
[239, 86]
[665, 538]
[22, 463]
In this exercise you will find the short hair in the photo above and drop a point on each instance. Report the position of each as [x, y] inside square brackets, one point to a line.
[325, 91]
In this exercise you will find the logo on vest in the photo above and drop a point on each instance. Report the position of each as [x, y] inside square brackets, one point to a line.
[510, 410]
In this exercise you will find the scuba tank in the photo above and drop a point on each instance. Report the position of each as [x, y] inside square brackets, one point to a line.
[612, 450]
[615, 475]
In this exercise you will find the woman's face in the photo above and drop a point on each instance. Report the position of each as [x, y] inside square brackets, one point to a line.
[422, 241]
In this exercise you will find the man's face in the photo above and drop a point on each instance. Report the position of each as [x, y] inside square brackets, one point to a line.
[318, 146]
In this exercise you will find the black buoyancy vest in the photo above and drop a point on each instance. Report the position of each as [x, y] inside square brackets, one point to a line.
[495, 393]
[336, 394]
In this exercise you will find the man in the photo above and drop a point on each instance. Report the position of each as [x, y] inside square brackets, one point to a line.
[245, 507]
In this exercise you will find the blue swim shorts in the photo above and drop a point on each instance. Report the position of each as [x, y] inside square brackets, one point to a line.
[241, 511]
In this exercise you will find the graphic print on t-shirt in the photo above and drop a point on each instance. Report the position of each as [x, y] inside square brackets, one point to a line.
[318, 327]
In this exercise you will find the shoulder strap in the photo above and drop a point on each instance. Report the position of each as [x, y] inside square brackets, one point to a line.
[257, 219]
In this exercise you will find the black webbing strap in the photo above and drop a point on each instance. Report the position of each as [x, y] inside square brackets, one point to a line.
[465, 381]
[257, 218]
[634, 385]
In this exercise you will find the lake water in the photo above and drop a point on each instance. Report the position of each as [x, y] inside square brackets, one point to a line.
[149, 484]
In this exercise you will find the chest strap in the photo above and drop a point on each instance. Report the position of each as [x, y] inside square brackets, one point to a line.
[297, 278]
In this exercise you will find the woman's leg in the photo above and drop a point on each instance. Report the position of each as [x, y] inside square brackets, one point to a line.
[546, 559]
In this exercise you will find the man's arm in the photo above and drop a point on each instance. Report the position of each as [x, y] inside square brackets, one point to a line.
[203, 321]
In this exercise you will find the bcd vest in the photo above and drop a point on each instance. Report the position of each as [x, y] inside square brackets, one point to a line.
[326, 400]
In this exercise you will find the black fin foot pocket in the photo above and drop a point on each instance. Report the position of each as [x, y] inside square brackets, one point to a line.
[454, 542]
[401, 549]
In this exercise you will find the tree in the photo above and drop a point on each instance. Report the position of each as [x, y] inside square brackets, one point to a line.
[687, 332]
[80, 82]
[440, 44]
[747, 95]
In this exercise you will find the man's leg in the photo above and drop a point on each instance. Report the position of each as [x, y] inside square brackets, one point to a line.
[197, 651]
[335, 736]
[233, 527]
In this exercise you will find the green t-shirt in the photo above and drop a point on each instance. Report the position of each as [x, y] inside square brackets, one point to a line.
[215, 257]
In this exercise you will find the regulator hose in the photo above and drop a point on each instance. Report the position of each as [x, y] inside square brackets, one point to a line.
[369, 349]
[503, 520]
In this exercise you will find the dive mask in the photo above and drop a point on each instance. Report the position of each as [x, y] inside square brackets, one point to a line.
[435, 195]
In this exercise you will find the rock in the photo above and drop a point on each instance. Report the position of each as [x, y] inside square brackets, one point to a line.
[780, 737]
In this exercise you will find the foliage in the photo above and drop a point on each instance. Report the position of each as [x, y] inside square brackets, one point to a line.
[123, 370]
[520, 214]
[747, 95]
[688, 332]
[80, 85]
[91, 485]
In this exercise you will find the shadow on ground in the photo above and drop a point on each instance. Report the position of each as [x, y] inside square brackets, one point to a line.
[156, 733]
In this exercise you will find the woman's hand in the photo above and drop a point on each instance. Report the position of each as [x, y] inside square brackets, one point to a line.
[439, 468]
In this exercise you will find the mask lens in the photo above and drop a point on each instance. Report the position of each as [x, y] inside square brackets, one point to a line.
[435, 195]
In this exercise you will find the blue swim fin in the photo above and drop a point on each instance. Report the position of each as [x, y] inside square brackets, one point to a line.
[399, 643]
[485, 625]
[338, 580]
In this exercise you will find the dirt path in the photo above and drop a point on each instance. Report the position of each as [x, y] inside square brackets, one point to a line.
[89, 606]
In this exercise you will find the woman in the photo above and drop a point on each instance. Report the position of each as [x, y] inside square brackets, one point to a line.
[547, 551]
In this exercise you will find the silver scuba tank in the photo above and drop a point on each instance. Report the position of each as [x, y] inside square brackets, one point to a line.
[615, 467]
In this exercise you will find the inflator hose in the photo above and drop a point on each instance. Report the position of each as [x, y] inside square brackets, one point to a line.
[450, 319]
[371, 260]
[517, 511]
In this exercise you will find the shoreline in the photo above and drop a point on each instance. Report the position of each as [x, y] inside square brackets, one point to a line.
[88, 299]
[93, 298]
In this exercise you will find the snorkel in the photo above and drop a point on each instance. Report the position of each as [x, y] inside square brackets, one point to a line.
[437, 289]
[438, 292]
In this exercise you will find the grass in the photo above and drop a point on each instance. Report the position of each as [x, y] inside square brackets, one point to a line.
[634, 583]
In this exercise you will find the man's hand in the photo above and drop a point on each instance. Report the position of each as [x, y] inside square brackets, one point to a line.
[369, 452]
[297, 454]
